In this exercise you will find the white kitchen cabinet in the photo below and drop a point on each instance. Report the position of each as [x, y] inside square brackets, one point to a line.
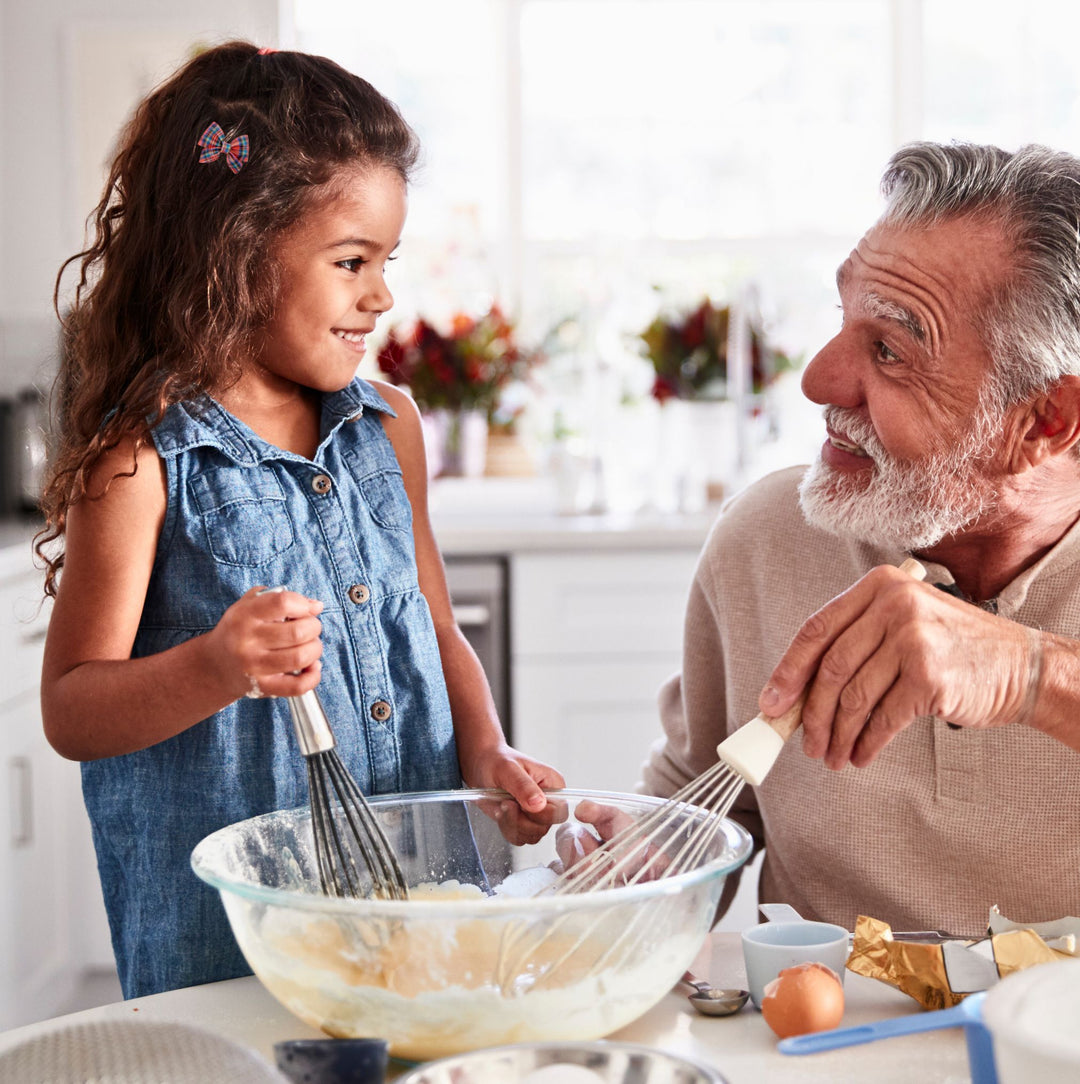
[35, 971]
[593, 636]
[592, 719]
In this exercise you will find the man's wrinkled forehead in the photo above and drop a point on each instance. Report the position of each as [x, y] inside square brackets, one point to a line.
[867, 302]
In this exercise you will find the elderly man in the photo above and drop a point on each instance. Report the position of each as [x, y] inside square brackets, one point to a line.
[938, 771]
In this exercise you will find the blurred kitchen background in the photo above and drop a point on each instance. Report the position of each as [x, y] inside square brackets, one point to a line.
[622, 241]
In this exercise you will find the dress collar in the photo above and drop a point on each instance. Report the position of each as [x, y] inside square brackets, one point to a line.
[205, 422]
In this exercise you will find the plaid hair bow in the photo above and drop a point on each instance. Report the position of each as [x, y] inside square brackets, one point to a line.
[214, 145]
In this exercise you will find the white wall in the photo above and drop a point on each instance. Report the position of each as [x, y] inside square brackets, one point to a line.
[69, 72]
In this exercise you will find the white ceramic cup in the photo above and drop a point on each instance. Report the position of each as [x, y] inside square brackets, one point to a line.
[773, 946]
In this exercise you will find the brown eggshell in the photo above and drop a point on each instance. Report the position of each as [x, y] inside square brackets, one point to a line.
[808, 997]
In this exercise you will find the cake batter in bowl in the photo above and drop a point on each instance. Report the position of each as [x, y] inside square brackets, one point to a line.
[478, 955]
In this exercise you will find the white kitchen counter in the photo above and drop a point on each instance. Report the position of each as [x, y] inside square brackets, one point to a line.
[508, 533]
[16, 546]
[491, 516]
[520, 515]
[742, 1047]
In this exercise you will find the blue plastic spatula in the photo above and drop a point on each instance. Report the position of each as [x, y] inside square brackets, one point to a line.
[968, 1015]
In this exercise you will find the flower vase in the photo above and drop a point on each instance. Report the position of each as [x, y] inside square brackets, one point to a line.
[680, 477]
[432, 424]
[507, 455]
[464, 443]
[713, 434]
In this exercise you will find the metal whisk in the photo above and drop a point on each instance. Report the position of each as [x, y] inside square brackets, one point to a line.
[652, 848]
[343, 823]
[670, 839]
[674, 837]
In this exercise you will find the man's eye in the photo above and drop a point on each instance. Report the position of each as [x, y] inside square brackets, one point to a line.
[886, 355]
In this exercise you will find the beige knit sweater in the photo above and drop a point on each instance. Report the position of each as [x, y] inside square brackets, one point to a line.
[944, 823]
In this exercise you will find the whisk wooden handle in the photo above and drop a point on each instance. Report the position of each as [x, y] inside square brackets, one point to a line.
[785, 725]
[752, 750]
[913, 568]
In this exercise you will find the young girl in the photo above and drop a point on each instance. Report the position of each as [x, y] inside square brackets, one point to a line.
[214, 440]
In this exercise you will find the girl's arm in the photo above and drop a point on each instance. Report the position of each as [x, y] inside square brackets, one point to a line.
[96, 700]
[486, 759]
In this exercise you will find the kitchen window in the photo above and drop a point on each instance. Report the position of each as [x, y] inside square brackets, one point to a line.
[591, 158]
[580, 152]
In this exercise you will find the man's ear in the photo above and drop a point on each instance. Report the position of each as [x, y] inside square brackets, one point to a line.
[1051, 423]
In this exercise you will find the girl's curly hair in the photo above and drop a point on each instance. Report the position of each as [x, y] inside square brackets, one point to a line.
[180, 273]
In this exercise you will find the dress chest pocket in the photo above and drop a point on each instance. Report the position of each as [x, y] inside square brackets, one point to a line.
[244, 513]
[382, 487]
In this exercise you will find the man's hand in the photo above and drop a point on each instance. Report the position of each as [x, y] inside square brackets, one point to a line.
[575, 842]
[890, 649]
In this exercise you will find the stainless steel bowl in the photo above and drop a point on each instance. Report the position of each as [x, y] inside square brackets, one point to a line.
[582, 1063]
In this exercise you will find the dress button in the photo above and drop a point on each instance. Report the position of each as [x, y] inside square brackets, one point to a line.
[380, 710]
[321, 483]
[359, 594]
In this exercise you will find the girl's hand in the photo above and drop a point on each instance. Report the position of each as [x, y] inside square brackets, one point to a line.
[267, 644]
[528, 817]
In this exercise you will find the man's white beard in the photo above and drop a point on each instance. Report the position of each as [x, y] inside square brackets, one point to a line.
[907, 506]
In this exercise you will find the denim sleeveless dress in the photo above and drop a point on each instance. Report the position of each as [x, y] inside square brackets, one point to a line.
[242, 512]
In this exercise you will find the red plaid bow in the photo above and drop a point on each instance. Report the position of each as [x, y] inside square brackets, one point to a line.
[214, 145]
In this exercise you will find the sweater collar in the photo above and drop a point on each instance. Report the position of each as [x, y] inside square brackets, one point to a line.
[1064, 553]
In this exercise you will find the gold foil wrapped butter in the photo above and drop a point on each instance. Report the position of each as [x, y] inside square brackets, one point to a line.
[941, 975]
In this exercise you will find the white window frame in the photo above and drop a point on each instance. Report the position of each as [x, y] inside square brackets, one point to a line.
[510, 256]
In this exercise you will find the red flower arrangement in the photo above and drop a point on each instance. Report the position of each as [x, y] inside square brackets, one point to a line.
[689, 354]
[464, 369]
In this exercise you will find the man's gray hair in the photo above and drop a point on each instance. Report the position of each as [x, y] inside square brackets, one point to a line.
[1031, 320]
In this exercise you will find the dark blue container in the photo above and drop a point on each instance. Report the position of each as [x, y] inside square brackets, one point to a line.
[333, 1061]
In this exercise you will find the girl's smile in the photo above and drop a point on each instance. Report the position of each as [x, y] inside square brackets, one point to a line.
[354, 339]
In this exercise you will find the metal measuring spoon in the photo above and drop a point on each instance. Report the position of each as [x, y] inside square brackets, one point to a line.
[711, 1001]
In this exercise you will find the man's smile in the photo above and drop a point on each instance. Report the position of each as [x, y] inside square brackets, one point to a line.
[846, 446]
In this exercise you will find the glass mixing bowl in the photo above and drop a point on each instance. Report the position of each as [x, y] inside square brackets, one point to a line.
[473, 958]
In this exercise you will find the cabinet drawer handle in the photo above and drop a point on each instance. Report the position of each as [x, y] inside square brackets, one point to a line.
[474, 616]
[22, 802]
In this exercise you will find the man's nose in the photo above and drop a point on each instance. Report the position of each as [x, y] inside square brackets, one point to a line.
[832, 377]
